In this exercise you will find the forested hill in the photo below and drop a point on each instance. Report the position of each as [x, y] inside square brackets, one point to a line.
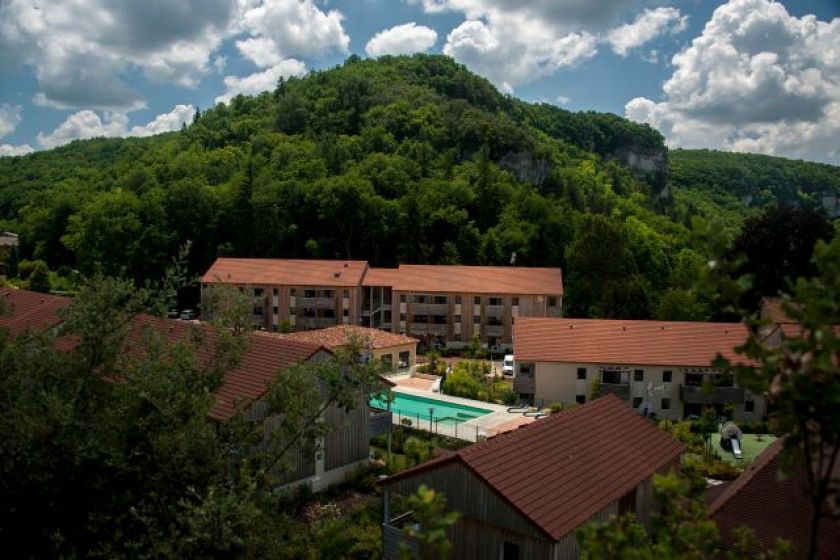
[401, 159]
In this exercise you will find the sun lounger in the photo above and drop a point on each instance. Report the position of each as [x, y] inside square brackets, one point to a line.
[436, 385]
[521, 407]
[736, 449]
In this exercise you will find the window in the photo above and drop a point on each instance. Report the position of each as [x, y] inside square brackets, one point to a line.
[402, 298]
[440, 300]
[457, 300]
[329, 313]
[456, 337]
[514, 301]
[510, 551]
[580, 399]
[258, 292]
[477, 300]
[346, 312]
[749, 406]
[419, 299]
[666, 376]
[525, 370]
[457, 318]
[552, 301]
[258, 310]
[421, 319]
[581, 373]
[440, 320]
[345, 293]
[637, 402]
[292, 292]
[476, 320]
[402, 317]
[275, 310]
[309, 293]
[611, 376]
[666, 404]
[275, 291]
[494, 301]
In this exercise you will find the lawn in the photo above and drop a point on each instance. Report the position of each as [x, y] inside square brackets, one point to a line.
[750, 445]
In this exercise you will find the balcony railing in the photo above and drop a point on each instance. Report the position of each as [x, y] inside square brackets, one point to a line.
[315, 322]
[620, 390]
[694, 394]
[524, 384]
[430, 308]
[494, 310]
[494, 330]
[315, 302]
[425, 328]
[393, 536]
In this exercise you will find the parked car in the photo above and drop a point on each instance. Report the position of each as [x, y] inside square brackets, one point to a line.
[173, 313]
[189, 314]
[507, 365]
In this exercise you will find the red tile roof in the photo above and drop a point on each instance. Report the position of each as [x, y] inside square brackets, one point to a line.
[22, 309]
[286, 272]
[771, 309]
[559, 471]
[264, 359]
[381, 277]
[336, 337]
[471, 279]
[772, 507]
[608, 341]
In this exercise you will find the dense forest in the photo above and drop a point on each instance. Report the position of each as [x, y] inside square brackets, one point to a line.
[402, 159]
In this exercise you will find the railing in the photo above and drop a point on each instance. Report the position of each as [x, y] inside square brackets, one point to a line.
[315, 302]
[315, 322]
[620, 390]
[430, 308]
[494, 330]
[692, 394]
[494, 310]
[393, 536]
[524, 384]
[425, 328]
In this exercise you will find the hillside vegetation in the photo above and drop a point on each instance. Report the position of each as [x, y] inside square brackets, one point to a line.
[401, 159]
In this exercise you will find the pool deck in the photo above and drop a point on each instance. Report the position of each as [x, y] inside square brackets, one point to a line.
[499, 420]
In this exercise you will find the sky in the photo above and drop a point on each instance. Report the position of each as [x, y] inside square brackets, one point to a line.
[741, 75]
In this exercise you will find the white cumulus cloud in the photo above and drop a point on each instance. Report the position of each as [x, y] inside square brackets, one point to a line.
[9, 118]
[88, 124]
[647, 26]
[407, 38]
[260, 81]
[8, 150]
[757, 79]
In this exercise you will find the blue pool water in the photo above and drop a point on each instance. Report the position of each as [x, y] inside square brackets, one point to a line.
[443, 412]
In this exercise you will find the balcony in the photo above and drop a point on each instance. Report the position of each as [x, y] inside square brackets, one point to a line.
[494, 330]
[315, 302]
[524, 384]
[380, 422]
[620, 390]
[430, 308]
[494, 310]
[697, 394]
[315, 322]
[425, 328]
[393, 536]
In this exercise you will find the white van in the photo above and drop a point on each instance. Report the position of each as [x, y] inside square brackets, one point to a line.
[507, 365]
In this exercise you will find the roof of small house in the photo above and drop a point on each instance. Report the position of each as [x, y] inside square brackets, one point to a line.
[263, 360]
[610, 341]
[772, 506]
[286, 272]
[341, 335]
[499, 280]
[21, 310]
[559, 471]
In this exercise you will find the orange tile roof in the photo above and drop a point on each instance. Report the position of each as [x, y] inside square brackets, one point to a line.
[608, 341]
[22, 309]
[559, 471]
[338, 336]
[772, 507]
[286, 272]
[470, 279]
[771, 309]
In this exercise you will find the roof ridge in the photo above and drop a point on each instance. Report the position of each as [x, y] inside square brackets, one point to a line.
[763, 461]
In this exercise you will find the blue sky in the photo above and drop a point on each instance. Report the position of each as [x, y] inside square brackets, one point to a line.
[746, 75]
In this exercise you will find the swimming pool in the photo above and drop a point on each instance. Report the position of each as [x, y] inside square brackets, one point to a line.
[416, 407]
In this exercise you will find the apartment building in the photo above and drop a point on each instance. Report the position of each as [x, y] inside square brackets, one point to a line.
[438, 304]
[659, 367]
[303, 294]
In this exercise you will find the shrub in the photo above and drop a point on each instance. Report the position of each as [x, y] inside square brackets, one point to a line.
[555, 407]
[417, 450]
[509, 397]
[721, 470]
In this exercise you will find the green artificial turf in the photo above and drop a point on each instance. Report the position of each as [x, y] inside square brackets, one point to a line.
[750, 445]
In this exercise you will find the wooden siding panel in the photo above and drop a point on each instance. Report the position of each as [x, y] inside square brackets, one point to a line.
[348, 439]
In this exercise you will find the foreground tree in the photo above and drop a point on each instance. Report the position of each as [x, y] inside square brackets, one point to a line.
[106, 448]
